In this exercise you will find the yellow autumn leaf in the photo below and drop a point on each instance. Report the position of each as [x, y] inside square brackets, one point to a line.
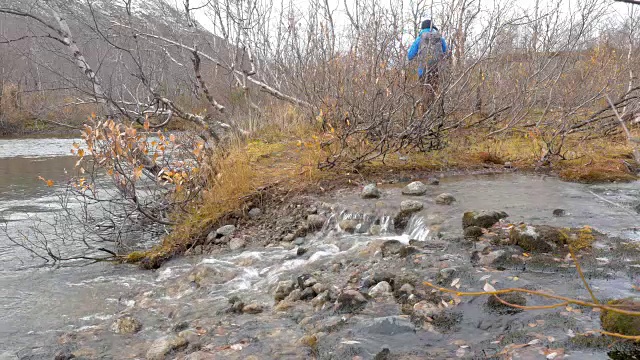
[81, 153]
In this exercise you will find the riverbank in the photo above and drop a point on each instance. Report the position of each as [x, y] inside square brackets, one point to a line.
[276, 164]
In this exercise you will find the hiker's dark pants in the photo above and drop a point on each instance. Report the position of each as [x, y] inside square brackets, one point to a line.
[430, 84]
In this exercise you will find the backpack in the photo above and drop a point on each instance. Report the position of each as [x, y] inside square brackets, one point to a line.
[430, 52]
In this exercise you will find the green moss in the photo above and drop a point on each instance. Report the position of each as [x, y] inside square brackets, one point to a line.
[582, 240]
[621, 323]
[135, 256]
[468, 218]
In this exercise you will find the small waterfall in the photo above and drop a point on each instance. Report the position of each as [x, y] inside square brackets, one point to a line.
[417, 229]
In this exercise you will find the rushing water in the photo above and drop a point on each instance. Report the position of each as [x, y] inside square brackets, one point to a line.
[37, 304]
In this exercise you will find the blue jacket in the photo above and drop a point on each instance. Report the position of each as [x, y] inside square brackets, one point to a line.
[415, 47]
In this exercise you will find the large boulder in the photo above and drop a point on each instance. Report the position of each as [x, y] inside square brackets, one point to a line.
[370, 191]
[537, 239]
[415, 188]
[483, 219]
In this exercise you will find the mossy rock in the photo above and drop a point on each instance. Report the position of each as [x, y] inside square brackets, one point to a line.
[483, 219]
[472, 232]
[512, 298]
[621, 323]
[538, 239]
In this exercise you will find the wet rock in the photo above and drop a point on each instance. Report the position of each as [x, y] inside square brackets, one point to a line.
[226, 230]
[301, 251]
[375, 230]
[425, 309]
[433, 181]
[406, 289]
[212, 236]
[253, 308]
[512, 298]
[64, 354]
[237, 243]
[370, 191]
[407, 208]
[559, 212]
[381, 289]
[307, 294]
[321, 299]
[363, 228]
[191, 336]
[299, 241]
[350, 301]
[294, 296]
[180, 326]
[204, 275]
[415, 188]
[316, 222]
[538, 239]
[391, 247]
[283, 289]
[126, 325]
[380, 276]
[446, 275]
[348, 225]
[320, 288]
[487, 259]
[161, 347]
[621, 323]
[388, 325]
[236, 305]
[472, 232]
[255, 213]
[201, 355]
[508, 165]
[289, 237]
[305, 281]
[384, 354]
[445, 199]
[483, 219]
[411, 206]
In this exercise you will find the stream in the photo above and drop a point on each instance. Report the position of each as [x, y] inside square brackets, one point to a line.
[47, 310]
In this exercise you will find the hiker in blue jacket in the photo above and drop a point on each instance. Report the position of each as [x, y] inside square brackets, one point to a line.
[429, 50]
[427, 27]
